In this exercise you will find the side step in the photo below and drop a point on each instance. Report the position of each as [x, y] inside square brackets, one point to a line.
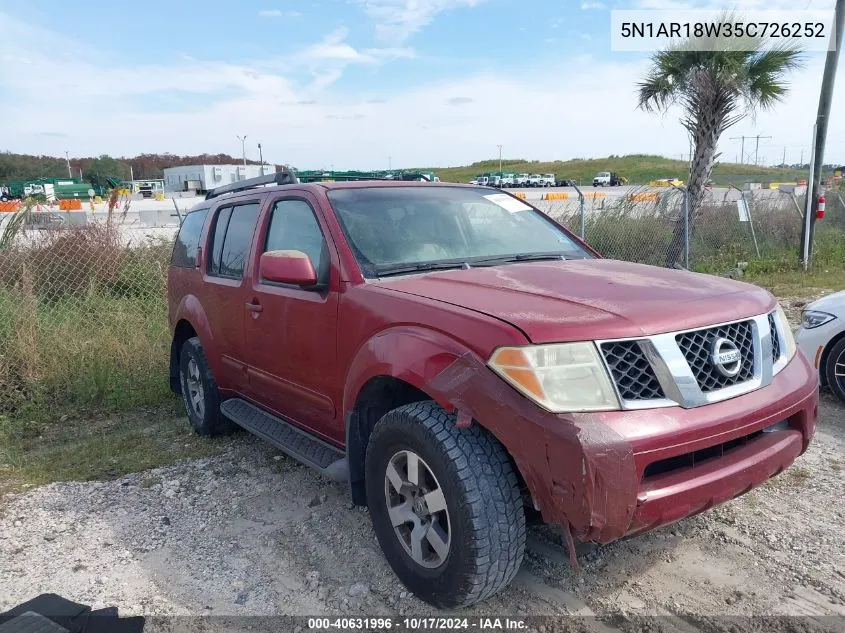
[298, 444]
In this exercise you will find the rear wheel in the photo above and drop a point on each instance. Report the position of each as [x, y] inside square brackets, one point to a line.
[835, 369]
[445, 504]
[199, 391]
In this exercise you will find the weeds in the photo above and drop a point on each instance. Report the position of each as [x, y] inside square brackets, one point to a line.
[82, 321]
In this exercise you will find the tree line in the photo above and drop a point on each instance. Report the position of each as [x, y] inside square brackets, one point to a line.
[96, 169]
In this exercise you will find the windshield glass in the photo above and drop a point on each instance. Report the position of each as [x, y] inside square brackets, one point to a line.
[389, 227]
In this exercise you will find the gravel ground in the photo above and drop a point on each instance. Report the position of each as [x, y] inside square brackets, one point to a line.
[251, 532]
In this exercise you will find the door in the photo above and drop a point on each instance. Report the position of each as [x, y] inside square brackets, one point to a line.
[291, 331]
[222, 293]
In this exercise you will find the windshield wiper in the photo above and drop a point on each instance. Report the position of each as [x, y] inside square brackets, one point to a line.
[399, 269]
[519, 257]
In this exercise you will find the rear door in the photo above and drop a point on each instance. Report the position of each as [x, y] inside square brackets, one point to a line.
[292, 335]
[230, 236]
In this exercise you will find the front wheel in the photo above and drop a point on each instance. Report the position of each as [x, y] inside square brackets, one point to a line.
[445, 504]
[835, 370]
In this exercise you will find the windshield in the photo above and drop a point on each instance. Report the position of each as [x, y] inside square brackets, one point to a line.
[396, 227]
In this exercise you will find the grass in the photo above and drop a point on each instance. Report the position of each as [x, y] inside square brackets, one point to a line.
[638, 168]
[82, 325]
[800, 284]
[84, 449]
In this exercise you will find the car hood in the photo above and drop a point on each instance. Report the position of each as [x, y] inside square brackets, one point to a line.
[578, 300]
[833, 303]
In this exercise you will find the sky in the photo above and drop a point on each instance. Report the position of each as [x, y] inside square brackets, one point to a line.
[359, 84]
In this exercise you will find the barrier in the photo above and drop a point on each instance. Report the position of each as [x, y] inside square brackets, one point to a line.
[777, 185]
[556, 195]
[643, 197]
[520, 194]
[9, 207]
[73, 204]
[595, 194]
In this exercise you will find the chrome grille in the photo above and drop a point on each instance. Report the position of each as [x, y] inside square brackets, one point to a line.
[697, 347]
[775, 337]
[631, 371]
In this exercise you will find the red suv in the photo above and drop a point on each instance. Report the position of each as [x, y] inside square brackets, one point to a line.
[464, 362]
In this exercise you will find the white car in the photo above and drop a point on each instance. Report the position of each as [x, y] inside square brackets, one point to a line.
[822, 339]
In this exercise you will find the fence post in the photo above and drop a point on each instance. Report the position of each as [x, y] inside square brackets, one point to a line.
[686, 228]
[750, 222]
[581, 212]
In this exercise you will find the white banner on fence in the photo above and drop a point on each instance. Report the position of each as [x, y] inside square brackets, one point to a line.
[742, 209]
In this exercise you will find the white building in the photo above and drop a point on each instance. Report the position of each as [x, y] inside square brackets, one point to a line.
[201, 178]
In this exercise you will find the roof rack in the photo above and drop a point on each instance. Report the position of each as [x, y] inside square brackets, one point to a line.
[283, 177]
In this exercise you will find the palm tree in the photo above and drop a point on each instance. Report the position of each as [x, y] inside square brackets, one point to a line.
[715, 89]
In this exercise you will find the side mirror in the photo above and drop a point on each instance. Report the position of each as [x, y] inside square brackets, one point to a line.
[287, 267]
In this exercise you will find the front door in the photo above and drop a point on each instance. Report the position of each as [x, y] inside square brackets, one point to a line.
[291, 332]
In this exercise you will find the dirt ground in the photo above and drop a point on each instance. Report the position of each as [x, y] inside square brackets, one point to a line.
[253, 532]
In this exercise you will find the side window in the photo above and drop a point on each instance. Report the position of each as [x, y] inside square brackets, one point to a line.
[220, 226]
[293, 227]
[232, 237]
[188, 239]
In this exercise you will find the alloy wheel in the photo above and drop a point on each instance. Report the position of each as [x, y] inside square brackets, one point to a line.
[417, 509]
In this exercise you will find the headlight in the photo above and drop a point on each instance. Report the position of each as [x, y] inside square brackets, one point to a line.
[562, 377]
[814, 318]
[788, 340]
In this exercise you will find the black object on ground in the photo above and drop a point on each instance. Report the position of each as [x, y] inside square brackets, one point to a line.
[49, 613]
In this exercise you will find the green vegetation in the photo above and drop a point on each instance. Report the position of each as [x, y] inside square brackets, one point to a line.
[84, 448]
[82, 324]
[638, 168]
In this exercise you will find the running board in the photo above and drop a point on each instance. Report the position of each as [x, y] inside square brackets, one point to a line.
[298, 444]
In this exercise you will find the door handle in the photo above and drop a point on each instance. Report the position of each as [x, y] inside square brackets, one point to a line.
[254, 307]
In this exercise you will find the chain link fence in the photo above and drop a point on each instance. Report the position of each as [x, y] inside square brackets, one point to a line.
[731, 228]
[82, 314]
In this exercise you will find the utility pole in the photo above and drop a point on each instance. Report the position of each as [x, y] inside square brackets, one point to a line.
[390, 163]
[783, 160]
[742, 150]
[242, 139]
[802, 157]
[67, 160]
[500, 159]
[814, 182]
[757, 148]
[261, 159]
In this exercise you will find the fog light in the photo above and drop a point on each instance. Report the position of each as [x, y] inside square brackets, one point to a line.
[780, 426]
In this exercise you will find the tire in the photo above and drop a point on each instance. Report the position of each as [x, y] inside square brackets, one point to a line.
[199, 391]
[834, 382]
[482, 545]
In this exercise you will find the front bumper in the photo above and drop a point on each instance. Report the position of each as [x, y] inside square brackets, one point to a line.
[813, 341]
[688, 460]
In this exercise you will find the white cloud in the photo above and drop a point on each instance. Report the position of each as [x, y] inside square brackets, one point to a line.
[397, 20]
[277, 13]
[591, 4]
[736, 5]
[309, 123]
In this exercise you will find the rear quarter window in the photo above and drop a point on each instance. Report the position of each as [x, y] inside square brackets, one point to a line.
[188, 239]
